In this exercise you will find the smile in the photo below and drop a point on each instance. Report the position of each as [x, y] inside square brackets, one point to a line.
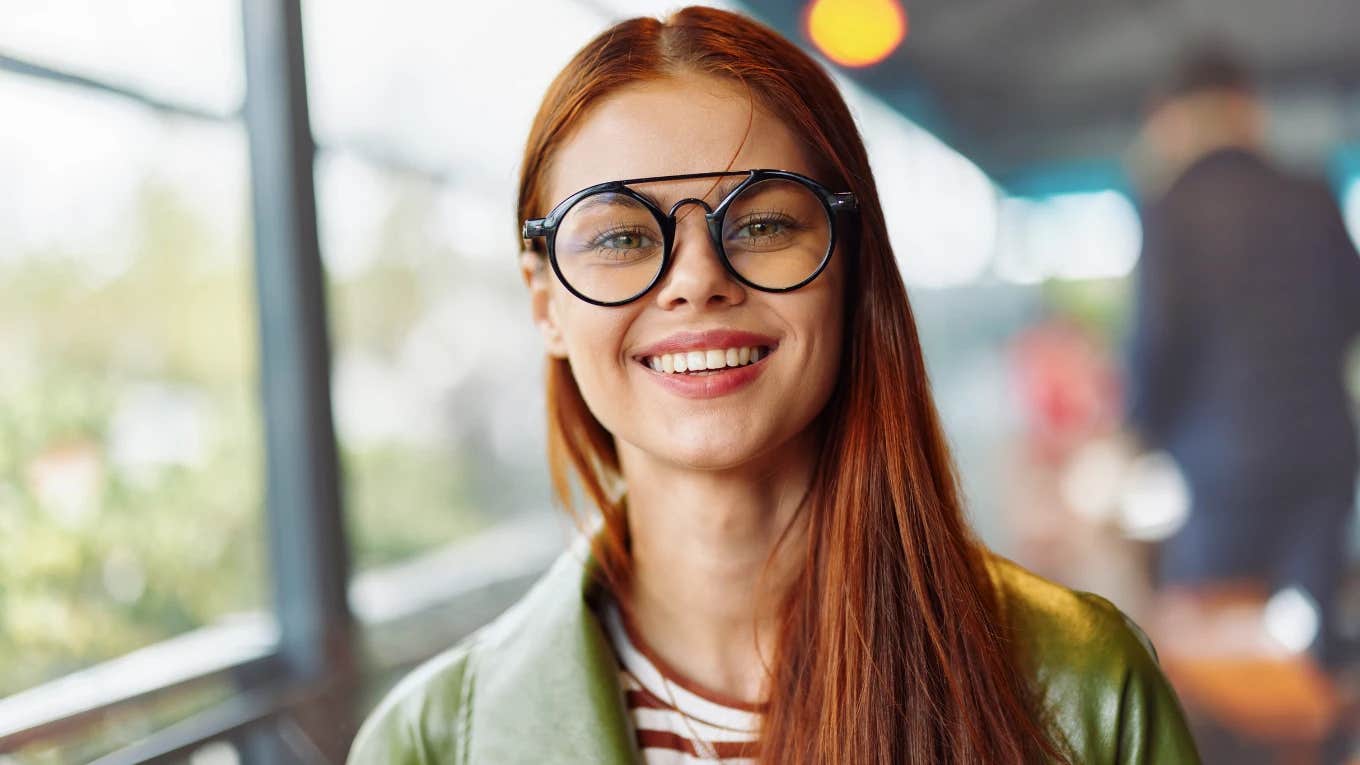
[709, 361]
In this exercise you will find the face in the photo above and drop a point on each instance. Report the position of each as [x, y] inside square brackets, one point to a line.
[715, 419]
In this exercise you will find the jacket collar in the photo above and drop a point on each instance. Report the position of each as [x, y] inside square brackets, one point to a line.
[546, 677]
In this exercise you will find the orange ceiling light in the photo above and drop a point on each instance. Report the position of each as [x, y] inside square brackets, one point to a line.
[856, 33]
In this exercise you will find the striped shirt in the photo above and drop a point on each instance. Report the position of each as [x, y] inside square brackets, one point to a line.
[659, 701]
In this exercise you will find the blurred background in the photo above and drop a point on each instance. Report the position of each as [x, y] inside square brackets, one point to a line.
[271, 428]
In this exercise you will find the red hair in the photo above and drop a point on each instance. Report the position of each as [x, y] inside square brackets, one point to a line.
[892, 647]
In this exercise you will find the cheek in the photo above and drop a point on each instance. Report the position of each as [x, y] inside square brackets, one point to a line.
[593, 337]
[828, 362]
[825, 309]
[826, 322]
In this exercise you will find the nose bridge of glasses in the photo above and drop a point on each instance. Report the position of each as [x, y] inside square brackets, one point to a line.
[690, 201]
[707, 224]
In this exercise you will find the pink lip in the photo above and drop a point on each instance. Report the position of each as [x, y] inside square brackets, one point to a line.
[710, 384]
[702, 341]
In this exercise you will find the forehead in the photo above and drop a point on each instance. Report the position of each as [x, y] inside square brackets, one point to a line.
[693, 124]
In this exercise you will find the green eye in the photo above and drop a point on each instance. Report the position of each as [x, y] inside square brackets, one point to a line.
[626, 241]
[765, 229]
[762, 228]
[623, 245]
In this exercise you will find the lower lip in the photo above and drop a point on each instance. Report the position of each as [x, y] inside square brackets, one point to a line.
[713, 385]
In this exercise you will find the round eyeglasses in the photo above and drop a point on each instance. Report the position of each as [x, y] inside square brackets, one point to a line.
[610, 244]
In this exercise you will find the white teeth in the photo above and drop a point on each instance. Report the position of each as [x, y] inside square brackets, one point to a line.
[698, 361]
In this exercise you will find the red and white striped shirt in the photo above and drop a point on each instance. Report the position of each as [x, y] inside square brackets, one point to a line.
[660, 699]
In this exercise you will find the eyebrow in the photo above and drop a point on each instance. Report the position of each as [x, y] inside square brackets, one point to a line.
[607, 199]
[724, 188]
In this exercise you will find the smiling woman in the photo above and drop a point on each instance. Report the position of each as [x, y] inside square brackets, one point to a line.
[780, 571]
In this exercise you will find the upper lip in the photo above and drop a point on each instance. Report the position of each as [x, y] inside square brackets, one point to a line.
[706, 340]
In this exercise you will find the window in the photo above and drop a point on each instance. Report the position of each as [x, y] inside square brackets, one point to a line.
[131, 447]
[421, 110]
[130, 422]
[188, 56]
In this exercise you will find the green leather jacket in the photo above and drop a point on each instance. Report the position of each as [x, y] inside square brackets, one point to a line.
[540, 684]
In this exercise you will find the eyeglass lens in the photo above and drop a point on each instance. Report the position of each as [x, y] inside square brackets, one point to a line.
[776, 233]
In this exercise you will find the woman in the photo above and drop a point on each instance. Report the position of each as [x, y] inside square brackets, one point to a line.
[782, 572]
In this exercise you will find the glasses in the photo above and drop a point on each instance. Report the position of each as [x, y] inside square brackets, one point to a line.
[775, 232]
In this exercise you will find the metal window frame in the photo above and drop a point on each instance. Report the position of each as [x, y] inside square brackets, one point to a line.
[304, 514]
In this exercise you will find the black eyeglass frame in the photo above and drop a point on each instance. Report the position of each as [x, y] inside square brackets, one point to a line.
[837, 204]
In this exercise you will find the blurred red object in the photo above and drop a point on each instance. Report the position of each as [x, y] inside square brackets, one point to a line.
[1067, 386]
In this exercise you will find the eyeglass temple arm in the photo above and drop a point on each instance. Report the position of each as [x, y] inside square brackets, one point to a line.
[534, 227]
[843, 201]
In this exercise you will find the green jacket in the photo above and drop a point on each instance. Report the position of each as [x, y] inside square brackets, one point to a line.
[540, 684]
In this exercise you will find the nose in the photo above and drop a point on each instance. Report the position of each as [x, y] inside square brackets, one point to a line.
[696, 276]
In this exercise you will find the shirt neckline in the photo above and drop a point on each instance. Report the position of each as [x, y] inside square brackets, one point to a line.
[688, 697]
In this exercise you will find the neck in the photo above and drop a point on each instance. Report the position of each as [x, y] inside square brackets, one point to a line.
[1191, 127]
[706, 590]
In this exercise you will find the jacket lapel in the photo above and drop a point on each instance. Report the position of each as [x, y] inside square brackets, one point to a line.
[545, 685]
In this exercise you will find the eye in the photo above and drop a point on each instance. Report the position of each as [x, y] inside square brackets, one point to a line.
[623, 244]
[624, 240]
[763, 227]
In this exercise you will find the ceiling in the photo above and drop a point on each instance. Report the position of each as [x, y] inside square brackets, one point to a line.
[1049, 93]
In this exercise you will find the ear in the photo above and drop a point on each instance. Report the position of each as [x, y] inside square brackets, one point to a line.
[538, 277]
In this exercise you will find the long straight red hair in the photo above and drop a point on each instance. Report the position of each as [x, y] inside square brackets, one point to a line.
[892, 648]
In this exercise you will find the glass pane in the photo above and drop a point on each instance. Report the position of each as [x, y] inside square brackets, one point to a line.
[437, 368]
[130, 444]
[438, 376]
[450, 86]
[181, 52]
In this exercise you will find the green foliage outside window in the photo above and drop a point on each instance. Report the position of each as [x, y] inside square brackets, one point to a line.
[131, 452]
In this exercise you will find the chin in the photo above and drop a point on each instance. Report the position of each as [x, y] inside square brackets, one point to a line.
[709, 459]
[701, 450]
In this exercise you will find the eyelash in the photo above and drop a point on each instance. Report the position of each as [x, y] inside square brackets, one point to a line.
[601, 237]
[766, 216]
[758, 216]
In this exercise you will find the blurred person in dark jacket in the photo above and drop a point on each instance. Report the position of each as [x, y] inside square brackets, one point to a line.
[1248, 300]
